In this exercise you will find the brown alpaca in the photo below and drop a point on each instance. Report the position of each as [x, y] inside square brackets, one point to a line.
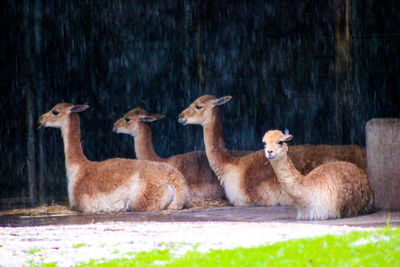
[114, 184]
[249, 179]
[202, 182]
[194, 166]
[332, 190]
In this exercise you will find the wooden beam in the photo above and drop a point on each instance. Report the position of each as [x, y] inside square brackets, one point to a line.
[343, 89]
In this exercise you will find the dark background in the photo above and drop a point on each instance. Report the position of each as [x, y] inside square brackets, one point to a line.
[320, 68]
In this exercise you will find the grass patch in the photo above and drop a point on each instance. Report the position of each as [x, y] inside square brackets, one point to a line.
[31, 263]
[34, 250]
[376, 248]
[151, 258]
[79, 245]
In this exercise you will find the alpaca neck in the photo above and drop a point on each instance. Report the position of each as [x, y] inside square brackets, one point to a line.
[144, 145]
[217, 154]
[71, 134]
[290, 178]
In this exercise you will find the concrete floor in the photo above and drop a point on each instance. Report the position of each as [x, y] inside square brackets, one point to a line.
[281, 214]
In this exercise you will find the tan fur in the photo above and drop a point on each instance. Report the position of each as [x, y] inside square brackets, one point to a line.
[332, 190]
[202, 182]
[249, 179]
[194, 166]
[114, 184]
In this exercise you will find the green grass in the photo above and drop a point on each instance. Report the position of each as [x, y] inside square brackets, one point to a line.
[151, 258]
[79, 245]
[377, 248]
[34, 250]
[31, 263]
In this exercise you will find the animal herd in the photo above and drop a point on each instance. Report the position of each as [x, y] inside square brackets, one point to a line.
[319, 181]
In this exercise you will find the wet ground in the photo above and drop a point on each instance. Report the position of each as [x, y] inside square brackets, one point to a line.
[279, 214]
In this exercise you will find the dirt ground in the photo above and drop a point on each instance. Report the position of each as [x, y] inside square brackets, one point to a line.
[55, 234]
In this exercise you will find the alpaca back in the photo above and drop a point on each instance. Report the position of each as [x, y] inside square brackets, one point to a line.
[308, 157]
[347, 187]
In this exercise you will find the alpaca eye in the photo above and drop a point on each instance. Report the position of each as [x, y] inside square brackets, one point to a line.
[55, 112]
[199, 107]
[264, 144]
[280, 143]
[127, 119]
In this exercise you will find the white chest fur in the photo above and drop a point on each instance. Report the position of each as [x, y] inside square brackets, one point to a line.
[317, 205]
[233, 186]
[72, 172]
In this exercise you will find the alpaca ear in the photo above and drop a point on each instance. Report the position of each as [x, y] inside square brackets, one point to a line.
[287, 137]
[158, 116]
[150, 118]
[146, 118]
[78, 108]
[222, 100]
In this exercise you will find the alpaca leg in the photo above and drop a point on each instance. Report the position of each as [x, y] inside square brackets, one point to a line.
[154, 198]
[180, 194]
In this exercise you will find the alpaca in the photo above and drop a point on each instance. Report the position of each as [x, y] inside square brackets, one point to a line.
[332, 190]
[249, 179]
[201, 180]
[115, 184]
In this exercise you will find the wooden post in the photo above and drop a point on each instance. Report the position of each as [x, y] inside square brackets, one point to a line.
[343, 94]
[383, 161]
[31, 147]
[25, 83]
[39, 101]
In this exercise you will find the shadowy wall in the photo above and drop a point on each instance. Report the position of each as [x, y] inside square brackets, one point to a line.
[319, 68]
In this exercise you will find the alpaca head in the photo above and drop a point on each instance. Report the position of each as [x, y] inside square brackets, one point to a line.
[131, 121]
[275, 146]
[200, 111]
[57, 117]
